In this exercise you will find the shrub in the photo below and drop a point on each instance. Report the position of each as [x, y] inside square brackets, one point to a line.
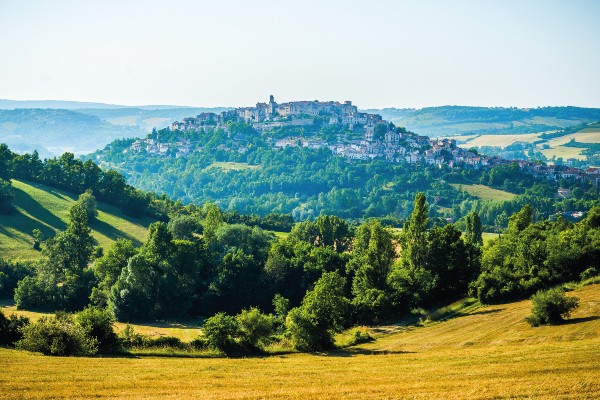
[355, 336]
[166, 341]
[98, 324]
[57, 336]
[11, 328]
[221, 331]
[550, 307]
[589, 273]
[255, 328]
[305, 332]
[129, 338]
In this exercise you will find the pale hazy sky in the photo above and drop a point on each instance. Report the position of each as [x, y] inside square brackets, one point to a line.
[235, 53]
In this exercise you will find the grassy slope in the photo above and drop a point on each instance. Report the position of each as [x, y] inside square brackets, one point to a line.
[488, 352]
[485, 192]
[39, 206]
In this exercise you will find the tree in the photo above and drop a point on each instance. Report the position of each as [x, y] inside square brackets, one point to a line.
[322, 313]
[473, 233]
[213, 219]
[98, 324]
[221, 331]
[184, 227]
[88, 203]
[334, 232]
[414, 243]
[63, 280]
[521, 220]
[372, 258]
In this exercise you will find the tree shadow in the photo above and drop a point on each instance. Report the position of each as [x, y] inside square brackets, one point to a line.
[572, 321]
[35, 209]
[111, 232]
[482, 312]
[356, 351]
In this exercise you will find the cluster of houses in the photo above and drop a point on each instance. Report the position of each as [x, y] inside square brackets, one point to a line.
[153, 146]
[380, 140]
[265, 116]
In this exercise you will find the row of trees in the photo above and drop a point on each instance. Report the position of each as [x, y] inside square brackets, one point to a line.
[323, 277]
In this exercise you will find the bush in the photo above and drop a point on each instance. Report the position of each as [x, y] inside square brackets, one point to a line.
[11, 328]
[255, 328]
[589, 273]
[355, 336]
[129, 338]
[306, 333]
[550, 307]
[220, 332]
[98, 324]
[57, 336]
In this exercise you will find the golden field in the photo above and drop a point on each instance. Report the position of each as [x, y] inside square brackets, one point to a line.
[486, 352]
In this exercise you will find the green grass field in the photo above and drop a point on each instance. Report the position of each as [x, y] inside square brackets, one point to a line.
[39, 206]
[480, 353]
[232, 166]
[485, 192]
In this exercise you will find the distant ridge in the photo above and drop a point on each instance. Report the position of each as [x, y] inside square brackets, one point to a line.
[6, 104]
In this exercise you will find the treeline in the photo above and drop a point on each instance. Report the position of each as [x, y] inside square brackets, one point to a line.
[323, 277]
[69, 173]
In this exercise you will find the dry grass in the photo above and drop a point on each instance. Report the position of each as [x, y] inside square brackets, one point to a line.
[489, 352]
[501, 140]
[565, 152]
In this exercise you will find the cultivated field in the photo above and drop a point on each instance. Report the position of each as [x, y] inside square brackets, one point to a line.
[485, 192]
[44, 208]
[488, 352]
[501, 140]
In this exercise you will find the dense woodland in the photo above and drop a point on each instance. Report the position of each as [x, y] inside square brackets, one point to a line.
[326, 275]
[307, 183]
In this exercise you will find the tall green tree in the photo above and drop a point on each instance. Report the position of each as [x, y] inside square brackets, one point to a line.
[473, 232]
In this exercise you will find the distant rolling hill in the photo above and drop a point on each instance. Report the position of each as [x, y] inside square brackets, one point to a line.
[41, 207]
[53, 131]
[463, 120]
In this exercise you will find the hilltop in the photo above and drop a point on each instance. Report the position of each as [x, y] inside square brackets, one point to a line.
[323, 157]
[41, 207]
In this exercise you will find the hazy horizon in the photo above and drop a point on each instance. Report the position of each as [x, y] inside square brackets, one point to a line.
[380, 54]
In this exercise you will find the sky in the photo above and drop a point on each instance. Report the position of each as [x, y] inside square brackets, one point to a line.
[406, 54]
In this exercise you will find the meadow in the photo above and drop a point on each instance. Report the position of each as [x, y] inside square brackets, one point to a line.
[485, 192]
[45, 208]
[481, 352]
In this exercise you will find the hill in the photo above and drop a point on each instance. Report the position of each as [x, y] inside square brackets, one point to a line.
[45, 208]
[53, 132]
[79, 128]
[486, 352]
[461, 120]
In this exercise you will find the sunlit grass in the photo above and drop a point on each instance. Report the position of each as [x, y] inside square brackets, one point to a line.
[485, 192]
[486, 352]
[41, 207]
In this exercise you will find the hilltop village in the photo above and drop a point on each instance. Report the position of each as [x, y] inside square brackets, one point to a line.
[362, 136]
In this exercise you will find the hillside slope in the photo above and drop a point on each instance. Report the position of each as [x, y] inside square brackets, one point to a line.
[45, 208]
[487, 353]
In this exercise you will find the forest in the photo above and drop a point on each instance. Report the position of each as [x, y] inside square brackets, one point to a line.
[328, 274]
[307, 182]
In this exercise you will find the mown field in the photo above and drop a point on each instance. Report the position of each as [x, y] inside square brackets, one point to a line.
[485, 192]
[483, 353]
[45, 208]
